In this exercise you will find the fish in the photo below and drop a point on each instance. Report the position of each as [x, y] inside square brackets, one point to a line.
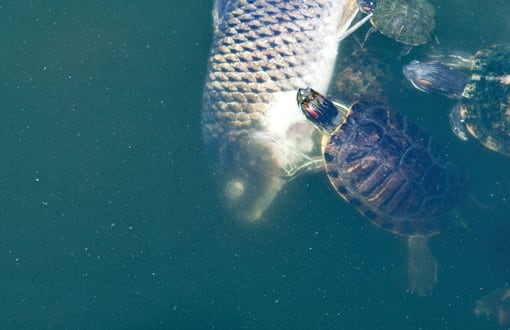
[262, 52]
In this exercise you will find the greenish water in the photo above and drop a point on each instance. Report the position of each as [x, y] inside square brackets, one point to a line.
[109, 214]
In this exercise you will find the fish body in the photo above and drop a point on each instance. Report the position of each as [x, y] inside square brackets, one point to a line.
[262, 52]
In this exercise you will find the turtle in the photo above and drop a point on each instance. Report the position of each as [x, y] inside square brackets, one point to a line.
[391, 171]
[495, 305]
[409, 22]
[481, 83]
[363, 74]
[367, 6]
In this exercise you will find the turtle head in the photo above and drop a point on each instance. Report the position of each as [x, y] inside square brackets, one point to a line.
[317, 109]
[435, 77]
[367, 6]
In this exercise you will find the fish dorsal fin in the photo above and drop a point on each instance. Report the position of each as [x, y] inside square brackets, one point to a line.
[219, 9]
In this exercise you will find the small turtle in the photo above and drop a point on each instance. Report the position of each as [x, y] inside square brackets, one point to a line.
[483, 89]
[410, 22]
[367, 6]
[363, 75]
[391, 171]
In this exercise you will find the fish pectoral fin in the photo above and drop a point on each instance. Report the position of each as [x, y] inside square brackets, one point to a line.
[345, 33]
[219, 10]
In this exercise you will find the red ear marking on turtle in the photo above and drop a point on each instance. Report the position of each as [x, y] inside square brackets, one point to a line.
[311, 112]
[424, 82]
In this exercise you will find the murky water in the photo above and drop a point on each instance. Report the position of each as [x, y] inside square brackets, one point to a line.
[110, 218]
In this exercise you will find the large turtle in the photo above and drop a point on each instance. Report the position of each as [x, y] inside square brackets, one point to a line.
[410, 22]
[483, 89]
[391, 171]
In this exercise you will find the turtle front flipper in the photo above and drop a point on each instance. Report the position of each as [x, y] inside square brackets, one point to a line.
[422, 266]
[457, 123]
[353, 28]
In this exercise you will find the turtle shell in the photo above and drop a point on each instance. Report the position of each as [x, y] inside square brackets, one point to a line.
[485, 107]
[363, 76]
[392, 171]
[409, 22]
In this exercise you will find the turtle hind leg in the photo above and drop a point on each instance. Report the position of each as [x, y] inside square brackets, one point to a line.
[406, 49]
[495, 305]
[422, 266]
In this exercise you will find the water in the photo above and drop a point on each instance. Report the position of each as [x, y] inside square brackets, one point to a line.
[110, 219]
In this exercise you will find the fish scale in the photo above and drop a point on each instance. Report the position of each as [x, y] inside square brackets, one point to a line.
[236, 66]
